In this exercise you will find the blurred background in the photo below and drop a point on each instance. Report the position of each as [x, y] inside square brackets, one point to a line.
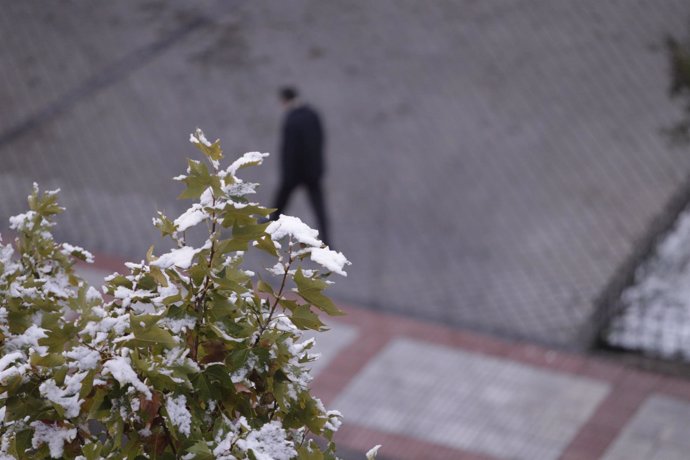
[494, 166]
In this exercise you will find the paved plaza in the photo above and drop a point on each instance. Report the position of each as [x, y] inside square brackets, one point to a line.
[431, 392]
[491, 165]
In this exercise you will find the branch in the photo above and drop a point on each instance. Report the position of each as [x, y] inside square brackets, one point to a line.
[263, 327]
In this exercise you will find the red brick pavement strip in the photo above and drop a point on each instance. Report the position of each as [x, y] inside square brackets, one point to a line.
[629, 387]
[399, 447]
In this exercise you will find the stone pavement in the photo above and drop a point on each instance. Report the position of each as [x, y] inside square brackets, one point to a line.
[491, 164]
[426, 391]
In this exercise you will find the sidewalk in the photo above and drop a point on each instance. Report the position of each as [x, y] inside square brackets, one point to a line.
[425, 391]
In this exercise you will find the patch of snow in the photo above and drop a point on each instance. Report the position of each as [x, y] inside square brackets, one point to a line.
[655, 317]
[55, 437]
[181, 258]
[331, 260]
[180, 417]
[191, 217]
[121, 370]
[67, 397]
[23, 221]
[68, 249]
[293, 226]
[246, 159]
[269, 443]
[84, 357]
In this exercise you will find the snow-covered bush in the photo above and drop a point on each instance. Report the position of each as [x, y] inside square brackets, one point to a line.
[187, 356]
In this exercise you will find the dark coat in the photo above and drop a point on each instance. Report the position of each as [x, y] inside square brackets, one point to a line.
[302, 145]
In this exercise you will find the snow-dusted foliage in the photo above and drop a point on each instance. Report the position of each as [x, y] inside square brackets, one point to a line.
[185, 356]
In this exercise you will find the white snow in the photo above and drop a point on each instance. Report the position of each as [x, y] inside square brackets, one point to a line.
[179, 415]
[179, 325]
[335, 420]
[93, 295]
[371, 453]
[198, 136]
[248, 158]
[181, 258]
[84, 357]
[67, 397]
[29, 339]
[68, 249]
[7, 372]
[22, 221]
[58, 285]
[269, 443]
[52, 435]
[191, 217]
[330, 260]
[121, 370]
[293, 226]
[655, 317]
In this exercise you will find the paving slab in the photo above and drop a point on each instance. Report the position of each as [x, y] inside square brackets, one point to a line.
[659, 430]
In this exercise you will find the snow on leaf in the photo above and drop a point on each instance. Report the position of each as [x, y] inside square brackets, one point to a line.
[67, 397]
[268, 443]
[330, 260]
[371, 454]
[22, 222]
[178, 414]
[248, 159]
[54, 436]
[190, 218]
[78, 252]
[181, 258]
[84, 357]
[121, 370]
[293, 226]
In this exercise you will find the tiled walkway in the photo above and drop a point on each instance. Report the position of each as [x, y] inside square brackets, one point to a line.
[426, 391]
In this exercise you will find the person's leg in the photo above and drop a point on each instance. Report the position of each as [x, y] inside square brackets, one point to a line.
[283, 197]
[318, 205]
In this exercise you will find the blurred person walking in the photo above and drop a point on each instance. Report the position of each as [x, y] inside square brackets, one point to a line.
[302, 157]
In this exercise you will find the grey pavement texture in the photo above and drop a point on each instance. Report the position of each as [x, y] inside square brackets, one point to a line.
[470, 401]
[491, 164]
[658, 431]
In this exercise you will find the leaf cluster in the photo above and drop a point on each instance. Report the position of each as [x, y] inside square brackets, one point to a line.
[188, 355]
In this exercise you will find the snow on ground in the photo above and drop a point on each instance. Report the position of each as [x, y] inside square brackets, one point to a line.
[655, 318]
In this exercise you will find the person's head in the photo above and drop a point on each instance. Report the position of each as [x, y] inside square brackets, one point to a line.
[288, 95]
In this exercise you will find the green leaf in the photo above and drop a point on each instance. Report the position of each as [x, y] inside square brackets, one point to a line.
[304, 319]
[242, 235]
[245, 215]
[157, 274]
[212, 151]
[310, 451]
[147, 335]
[265, 243]
[263, 286]
[238, 358]
[219, 306]
[199, 271]
[49, 360]
[310, 290]
[201, 451]
[165, 225]
[92, 451]
[198, 180]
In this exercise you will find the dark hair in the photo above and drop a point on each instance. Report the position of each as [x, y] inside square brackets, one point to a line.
[288, 93]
